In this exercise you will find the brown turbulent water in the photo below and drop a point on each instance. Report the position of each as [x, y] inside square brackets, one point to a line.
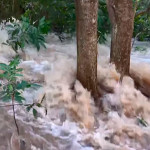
[72, 121]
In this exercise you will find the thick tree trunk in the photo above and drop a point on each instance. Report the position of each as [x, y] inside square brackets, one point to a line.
[86, 13]
[121, 13]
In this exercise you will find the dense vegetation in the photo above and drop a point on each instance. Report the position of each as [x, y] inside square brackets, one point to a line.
[25, 32]
[61, 16]
[142, 21]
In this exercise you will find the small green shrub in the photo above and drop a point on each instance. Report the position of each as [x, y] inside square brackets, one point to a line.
[13, 87]
[24, 32]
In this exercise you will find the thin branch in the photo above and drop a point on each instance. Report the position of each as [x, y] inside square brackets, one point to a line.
[29, 104]
[42, 99]
[143, 12]
[16, 105]
[135, 39]
[11, 105]
[14, 114]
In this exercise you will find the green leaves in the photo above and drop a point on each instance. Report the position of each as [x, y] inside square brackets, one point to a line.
[25, 32]
[6, 98]
[35, 86]
[28, 108]
[44, 26]
[10, 71]
[22, 85]
[38, 105]
[36, 38]
[142, 122]
[14, 63]
[12, 89]
[62, 16]
[142, 22]
[3, 67]
[19, 99]
[34, 111]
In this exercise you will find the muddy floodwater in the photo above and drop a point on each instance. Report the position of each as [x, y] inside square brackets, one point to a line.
[69, 119]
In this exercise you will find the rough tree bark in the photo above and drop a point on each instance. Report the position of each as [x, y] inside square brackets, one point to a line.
[121, 13]
[86, 15]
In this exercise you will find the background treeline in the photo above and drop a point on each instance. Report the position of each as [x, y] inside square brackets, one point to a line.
[61, 16]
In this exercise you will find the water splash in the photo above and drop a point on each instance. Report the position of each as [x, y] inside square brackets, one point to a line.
[72, 121]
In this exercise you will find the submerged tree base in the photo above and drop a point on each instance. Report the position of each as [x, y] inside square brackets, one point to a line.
[86, 13]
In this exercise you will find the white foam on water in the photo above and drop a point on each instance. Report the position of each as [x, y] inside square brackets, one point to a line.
[72, 121]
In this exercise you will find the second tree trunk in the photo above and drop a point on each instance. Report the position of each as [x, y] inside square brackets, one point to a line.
[121, 14]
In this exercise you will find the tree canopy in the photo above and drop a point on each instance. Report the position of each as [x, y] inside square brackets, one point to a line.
[61, 15]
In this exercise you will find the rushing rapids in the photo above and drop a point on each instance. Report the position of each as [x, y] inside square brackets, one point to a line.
[72, 121]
